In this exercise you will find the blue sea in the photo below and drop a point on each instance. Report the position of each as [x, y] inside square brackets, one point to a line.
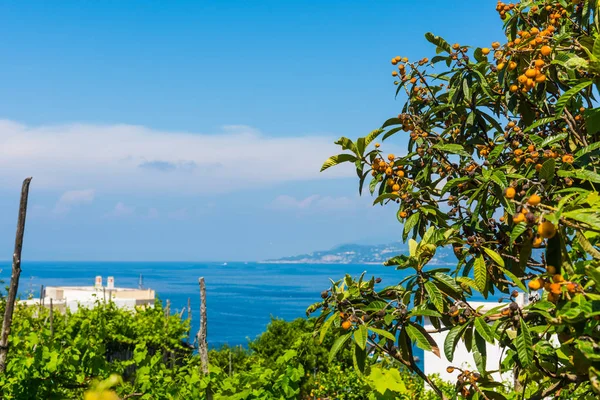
[241, 297]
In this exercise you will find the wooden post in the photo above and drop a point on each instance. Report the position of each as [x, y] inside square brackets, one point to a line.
[16, 273]
[202, 343]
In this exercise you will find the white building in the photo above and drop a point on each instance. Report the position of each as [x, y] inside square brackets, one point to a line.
[87, 296]
[462, 358]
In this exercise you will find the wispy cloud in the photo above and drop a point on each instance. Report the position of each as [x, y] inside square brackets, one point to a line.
[127, 158]
[314, 202]
[74, 198]
[121, 210]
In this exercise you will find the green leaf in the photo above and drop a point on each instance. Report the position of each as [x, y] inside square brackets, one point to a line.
[547, 171]
[337, 345]
[587, 246]
[384, 333]
[494, 256]
[517, 231]
[360, 336]
[435, 296]
[359, 358]
[418, 338]
[448, 281]
[514, 278]
[550, 140]
[372, 136]
[524, 345]
[411, 222]
[480, 273]
[346, 144]
[326, 325]
[540, 122]
[581, 174]
[452, 340]
[335, 160]
[438, 41]
[561, 103]
[484, 330]
[452, 148]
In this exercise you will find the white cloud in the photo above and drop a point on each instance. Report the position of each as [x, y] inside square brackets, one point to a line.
[74, 198]
[121, 210]
[127, 158]
[314, 202]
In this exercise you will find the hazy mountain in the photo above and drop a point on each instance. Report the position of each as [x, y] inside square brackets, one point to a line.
[358, 254]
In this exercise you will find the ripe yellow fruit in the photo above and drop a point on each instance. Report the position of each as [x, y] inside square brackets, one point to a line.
[518, 218]
[551, 269]
[541, 78]
[391, 157]
[510, 193]
[485, 51]
[403, 214]
[553, 297]
[456, 46]
[394, 73]
[500, 66]
[495, 45]
[346, 325]
[557, 278]
[512, 65]
[531, 73]
[572, 287]
[546, 50]
[547, 230]
[536, 284]
[539, 63]
[396, 187]
[554, 288]
[513, 88]
[522, 79]
[394, 62]
[537, 242]
[377, 145]
[538, 167]
[400, 174]
[534, 200]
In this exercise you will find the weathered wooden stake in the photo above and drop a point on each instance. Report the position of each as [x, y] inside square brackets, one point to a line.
[16, 273]
[202, 343]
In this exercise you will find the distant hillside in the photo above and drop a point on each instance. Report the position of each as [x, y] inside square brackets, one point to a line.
[356, 254]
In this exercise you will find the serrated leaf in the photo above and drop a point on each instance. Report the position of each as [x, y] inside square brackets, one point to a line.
[562, 102]
[411, 222]
[338, 344]
[480, 273]
[438, 41]
[452, 339]
[326, 325]
[360, 336]
[452, 148]
[494, 256]
[547, 171]
[335, 160]
[484, 330]
[517, 231]
[524, 345]
[550, 140]
[540, 122]
[417, 337]
[435, 296]
[448, 281]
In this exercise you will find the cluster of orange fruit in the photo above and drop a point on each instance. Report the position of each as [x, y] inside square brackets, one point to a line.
[554, 283]
[530, 154]
[347, 323]
[545, 230]
[394, 172]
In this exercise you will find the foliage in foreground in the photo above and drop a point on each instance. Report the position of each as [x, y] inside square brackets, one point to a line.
[501, 164]
[107, 353]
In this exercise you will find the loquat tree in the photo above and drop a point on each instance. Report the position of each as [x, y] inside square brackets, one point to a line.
[502, 165]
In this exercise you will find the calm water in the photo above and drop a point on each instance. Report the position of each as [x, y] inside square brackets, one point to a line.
[241, 298]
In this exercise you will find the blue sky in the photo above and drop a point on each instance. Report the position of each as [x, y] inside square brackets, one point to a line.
[195, 130]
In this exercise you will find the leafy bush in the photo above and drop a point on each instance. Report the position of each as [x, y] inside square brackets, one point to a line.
[501, 165]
